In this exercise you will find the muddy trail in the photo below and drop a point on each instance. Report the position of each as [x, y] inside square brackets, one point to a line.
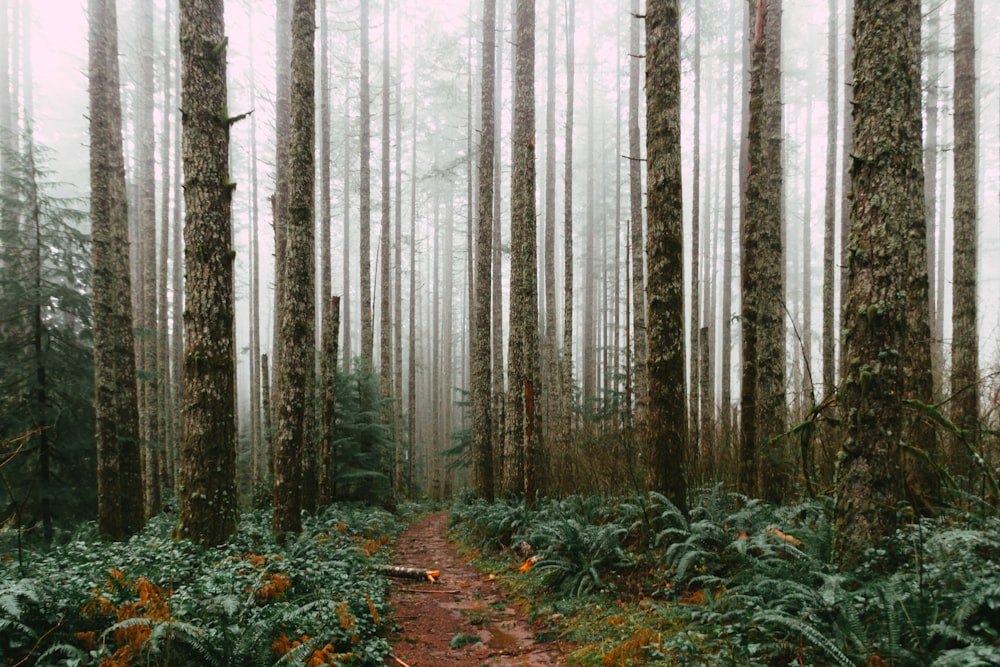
[461, 619]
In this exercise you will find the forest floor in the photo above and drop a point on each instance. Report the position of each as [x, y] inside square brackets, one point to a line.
[463, 618]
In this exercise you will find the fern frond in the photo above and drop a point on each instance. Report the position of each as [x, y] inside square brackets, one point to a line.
[808, 632]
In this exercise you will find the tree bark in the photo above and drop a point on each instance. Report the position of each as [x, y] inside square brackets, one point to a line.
[566, 384]
[146, 323]
[830, 205]
[327, 456]
[667, 418]
[522, 361]
[367, 326]
[482, 429]
[965, 341]
[635, 207]
[119, 476]
[297, 371]
[208, 502]
[694, 345]
[385, 236]
[726, 362]
[887, 187]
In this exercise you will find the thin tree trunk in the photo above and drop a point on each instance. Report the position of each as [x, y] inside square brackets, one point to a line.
[499, 395]
[208, 502]
[845, 165]
[164, 410]
[695, 346]
[346, 305]
[965, 341]
[588, 367]
[411, 372]
[482, 429]
[930, 185]
[550, 353]
[635, 199]
[177, 281]
[326, 460]
[367, 326]
[146, 183]
[727, 253]
[385, 235]
[566, 390]
[830, 205]
[397, 288]
[806, 332]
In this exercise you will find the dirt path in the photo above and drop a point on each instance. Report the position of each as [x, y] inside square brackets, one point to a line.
[462, 606]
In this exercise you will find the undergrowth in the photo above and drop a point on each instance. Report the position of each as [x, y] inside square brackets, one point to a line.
[315, 600]
[631, 581]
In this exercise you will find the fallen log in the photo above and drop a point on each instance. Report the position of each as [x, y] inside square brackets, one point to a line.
[409, 572]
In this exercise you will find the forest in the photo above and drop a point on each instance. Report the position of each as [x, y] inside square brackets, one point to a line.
[671, 307]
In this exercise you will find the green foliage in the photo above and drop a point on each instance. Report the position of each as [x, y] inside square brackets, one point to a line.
[46, 385]
[363, 444]
[746, 582]
[154, 601]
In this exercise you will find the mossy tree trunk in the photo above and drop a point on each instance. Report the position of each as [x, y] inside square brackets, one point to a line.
[208, 502]
[887, 186]
[522, 361]
[666, 421]
[297, 370]
[482, 429]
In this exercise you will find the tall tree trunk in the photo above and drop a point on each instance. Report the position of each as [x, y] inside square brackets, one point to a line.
[146, 182]
[208, 502]
[887, 187]
[346, 305]
[9, 223]
[262, 459]
[763, 386]
[588, 366]
[164, 408]
[482, 429]
[727, 252]
[297, 370]
[411, 370]
[522, 361]
[931, 104]
[177, 279]
[550, 352]
[845, 191]
[119, 476]
[806, 333]
[397, 287]
[566, 388]
[367, 326]
[918, 379]
[830, 204]
[279, 205]
[385, 235]
[965, 341]
[499, 395]
[326, 458]
[667, 418]
[635, 205]
[694, 346]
